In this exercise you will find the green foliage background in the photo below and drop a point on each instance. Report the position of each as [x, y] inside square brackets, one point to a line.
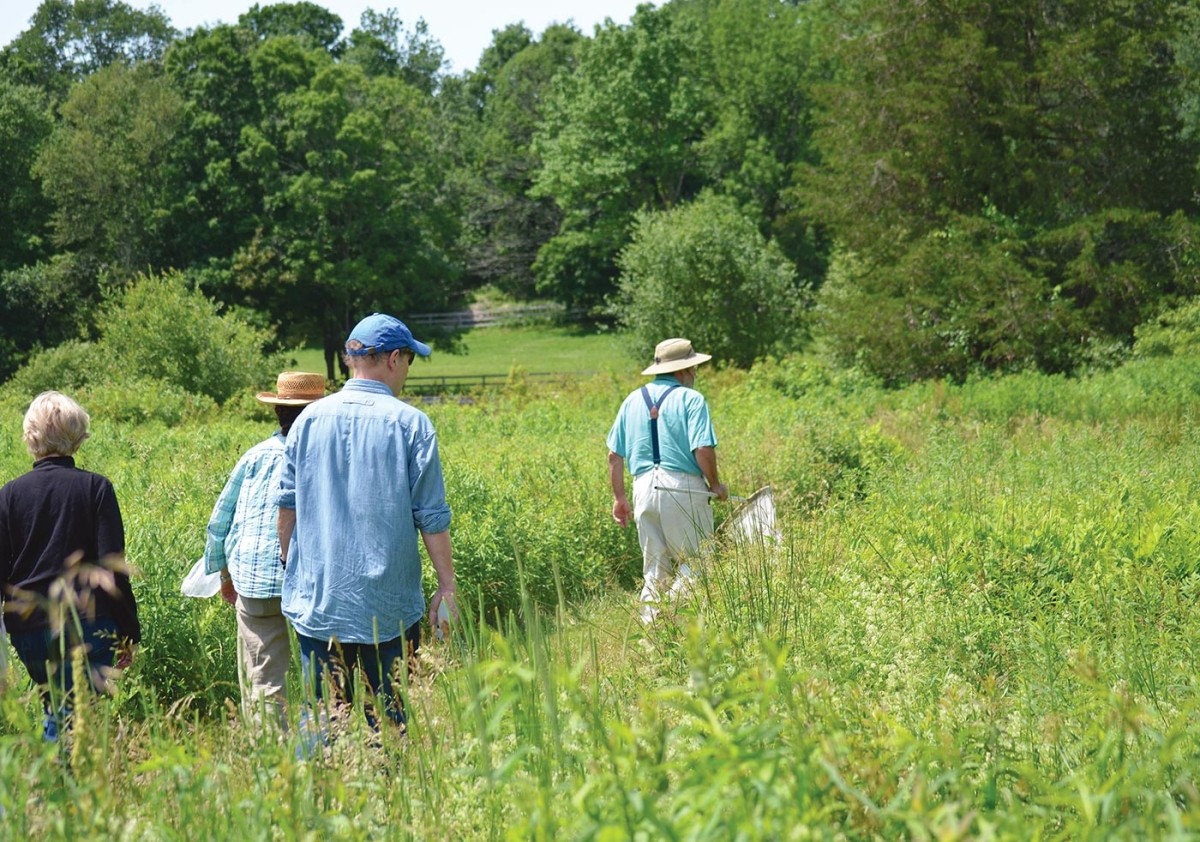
[982, 187]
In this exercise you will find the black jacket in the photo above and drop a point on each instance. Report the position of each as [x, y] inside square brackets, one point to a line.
[47, 516]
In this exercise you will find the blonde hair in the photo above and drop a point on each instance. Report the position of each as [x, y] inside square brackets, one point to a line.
[55, 426]
[363, 362]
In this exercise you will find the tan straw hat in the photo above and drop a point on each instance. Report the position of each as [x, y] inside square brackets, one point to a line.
[675, 355]
[295, 388]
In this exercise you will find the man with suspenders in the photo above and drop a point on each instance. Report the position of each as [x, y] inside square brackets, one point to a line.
[664, 431]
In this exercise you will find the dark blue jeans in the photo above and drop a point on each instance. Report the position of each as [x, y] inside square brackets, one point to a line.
[332, 660]
[48, 658]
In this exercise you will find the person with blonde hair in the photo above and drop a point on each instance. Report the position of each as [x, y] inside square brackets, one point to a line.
[62, 562]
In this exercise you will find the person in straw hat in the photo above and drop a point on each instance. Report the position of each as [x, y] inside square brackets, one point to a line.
[243, 546]
[663, 430]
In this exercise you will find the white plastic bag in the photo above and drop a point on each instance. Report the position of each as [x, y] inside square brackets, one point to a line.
[200, 584]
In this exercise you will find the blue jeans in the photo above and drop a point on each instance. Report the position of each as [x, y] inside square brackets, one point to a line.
[48, 659]
[332, 659]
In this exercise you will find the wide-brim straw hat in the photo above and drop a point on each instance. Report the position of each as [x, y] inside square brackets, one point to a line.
[295, 388]
[675, 355]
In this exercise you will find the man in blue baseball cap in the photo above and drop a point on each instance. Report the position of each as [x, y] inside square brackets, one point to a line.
[361, 479]
[378, 333]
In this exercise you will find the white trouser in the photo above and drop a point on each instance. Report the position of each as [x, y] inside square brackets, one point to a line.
[671, 523]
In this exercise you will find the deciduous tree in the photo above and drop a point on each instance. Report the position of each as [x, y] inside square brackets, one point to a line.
[507, 226]
[67, 40]
[620, 135]
[104, 166]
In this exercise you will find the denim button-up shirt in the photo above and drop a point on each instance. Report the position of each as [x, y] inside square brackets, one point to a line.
[363, 474]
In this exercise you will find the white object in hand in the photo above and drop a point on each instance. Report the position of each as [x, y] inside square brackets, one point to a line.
[443, 620]
[197, 583]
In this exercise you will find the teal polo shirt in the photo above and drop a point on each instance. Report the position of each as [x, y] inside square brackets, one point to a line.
[683, 425]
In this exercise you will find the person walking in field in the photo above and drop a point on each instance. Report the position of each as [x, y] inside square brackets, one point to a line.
[664, 432]
[243, 546]
[62, 559]
[362, 477]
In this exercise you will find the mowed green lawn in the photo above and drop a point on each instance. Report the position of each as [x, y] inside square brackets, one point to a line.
[497, 350]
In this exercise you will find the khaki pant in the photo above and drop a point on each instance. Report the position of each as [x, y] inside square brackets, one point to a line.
[263, 654]
[673, 517]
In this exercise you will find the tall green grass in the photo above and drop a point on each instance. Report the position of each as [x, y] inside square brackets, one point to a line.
[980, 624]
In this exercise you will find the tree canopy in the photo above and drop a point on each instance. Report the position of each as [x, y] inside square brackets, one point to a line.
[956, 187]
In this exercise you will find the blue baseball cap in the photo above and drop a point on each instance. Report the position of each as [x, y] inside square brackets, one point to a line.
[380, 333]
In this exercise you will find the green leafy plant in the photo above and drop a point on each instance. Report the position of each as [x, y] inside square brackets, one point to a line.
[703, 271]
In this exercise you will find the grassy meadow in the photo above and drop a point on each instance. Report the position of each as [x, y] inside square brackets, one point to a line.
[981, 623]
[500, 350]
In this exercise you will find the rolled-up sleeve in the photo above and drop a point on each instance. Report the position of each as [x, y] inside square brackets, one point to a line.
[221, 520]
[700, 428]
[431, 512]
[285, 496]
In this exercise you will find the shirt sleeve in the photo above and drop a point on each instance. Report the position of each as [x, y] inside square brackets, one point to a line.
[286, 496]
[110, 541]
[700, 428]
[110, 529]
[221, 520]
[6, 553]
[616, 435]
[431, 512]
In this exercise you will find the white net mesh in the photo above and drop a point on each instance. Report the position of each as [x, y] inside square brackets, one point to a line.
[754, 520]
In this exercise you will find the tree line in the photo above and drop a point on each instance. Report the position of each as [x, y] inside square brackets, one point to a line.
[920, 188]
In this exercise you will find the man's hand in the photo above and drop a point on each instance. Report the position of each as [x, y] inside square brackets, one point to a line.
[721, 490]
[621, 511]
[227, 591]
[442, 603]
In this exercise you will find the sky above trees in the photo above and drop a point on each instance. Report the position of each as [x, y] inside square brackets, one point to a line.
[462, 27]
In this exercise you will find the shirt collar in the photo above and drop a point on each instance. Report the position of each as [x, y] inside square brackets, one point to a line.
[54, 461]
[362, 384]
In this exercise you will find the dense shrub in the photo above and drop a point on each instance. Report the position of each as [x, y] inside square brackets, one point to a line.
[139, 400]
[982, 294]
[165, 353]
[65, 367]
[160, 327]
[1174, 333]
[704, 271]
[967, 298]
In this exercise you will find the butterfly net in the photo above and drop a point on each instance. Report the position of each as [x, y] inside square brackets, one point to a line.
[754, 520]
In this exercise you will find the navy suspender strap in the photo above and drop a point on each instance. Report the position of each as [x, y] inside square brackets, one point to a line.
[653, 407]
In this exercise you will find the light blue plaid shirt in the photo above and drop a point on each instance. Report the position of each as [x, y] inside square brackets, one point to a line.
[242, 533]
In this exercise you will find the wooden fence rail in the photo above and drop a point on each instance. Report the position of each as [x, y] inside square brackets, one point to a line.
[491, 318]
[462, 382]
